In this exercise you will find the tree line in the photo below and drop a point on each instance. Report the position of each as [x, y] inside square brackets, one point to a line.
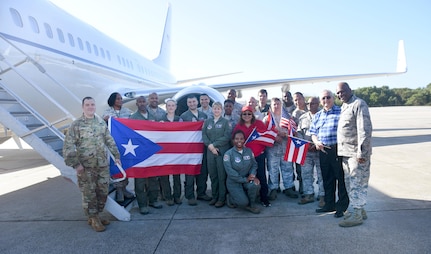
[384, 96]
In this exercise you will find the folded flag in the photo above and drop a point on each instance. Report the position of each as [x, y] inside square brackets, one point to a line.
[296, 150]
[150, 148]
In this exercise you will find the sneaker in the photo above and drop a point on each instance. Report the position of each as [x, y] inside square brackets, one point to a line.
[219, 204]
[272, 194]
[170, 202]
[254, 210]
[178, 201]
[212, 202]
[266, 204]
[205, 197]
[192, 202]
[290, 193]
[306, 199]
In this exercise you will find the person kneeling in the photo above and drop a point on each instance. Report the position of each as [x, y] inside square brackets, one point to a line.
[242, 183]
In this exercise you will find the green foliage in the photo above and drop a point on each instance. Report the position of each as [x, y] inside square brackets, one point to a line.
[384, 96]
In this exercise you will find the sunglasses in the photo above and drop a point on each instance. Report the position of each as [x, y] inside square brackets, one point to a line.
[246, 114]
[326, 97]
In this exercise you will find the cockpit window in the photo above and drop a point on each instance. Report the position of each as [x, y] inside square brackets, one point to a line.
[16, 17]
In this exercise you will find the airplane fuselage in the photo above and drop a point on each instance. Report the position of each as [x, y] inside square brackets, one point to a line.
[74, 54]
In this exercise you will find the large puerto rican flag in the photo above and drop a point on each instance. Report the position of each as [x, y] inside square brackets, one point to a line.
[150, 148]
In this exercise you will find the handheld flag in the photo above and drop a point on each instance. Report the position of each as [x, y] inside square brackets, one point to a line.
[287, 122]
[296, 150]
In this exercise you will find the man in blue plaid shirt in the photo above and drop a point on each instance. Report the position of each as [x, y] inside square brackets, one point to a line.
[323, 131]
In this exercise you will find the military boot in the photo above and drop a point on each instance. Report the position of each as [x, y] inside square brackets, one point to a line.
[363, 213]
[96, 224]
[354, 219]
[103, 221]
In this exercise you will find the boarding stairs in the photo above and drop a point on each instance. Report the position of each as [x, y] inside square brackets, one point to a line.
[24, 120]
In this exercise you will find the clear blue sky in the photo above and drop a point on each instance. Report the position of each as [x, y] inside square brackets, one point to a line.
[274, 39]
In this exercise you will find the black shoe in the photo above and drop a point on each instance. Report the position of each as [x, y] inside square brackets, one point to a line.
[156, 205]
[338, 214]
[324, 210]
[205, 197]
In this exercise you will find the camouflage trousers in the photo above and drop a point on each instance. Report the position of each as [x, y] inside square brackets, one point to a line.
[356, 176]
[94, 184]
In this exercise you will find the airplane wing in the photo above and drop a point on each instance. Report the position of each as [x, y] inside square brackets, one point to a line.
[203, 88]
[401, 68]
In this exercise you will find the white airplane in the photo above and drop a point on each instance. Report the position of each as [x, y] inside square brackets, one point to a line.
[50, 60]
[37, 36]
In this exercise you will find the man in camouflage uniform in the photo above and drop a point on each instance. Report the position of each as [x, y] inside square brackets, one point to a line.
[312, 159]
[85, 149]
[354, 145]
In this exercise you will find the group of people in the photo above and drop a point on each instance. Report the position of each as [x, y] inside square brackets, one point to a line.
[339, 151]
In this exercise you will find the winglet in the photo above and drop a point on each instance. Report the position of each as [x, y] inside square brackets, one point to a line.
[401, 60]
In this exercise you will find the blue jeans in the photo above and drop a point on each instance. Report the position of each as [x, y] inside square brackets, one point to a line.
[276, 164]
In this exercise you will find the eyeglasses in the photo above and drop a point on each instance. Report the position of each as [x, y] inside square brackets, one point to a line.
[326, 97]
[246, 114]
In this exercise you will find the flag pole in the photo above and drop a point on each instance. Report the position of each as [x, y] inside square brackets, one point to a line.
[311, 142]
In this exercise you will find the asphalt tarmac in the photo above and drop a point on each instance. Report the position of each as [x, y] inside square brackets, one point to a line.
[40, 211]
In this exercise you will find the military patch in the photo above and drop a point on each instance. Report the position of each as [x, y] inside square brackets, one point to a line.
[246, 157]
[237, 159]
[209, 127]
[226, 157]
[218, 126]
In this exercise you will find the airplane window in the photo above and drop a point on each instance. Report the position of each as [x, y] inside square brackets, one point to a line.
[33, 24]
[88, 46]
[119, 59]
[102, 53]
[60, 35]
[81, 45]
[124, 61]
[131, 65]
[96, 51]
[71, 40]
[16, 17]
[108, 55]
[48, 30]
